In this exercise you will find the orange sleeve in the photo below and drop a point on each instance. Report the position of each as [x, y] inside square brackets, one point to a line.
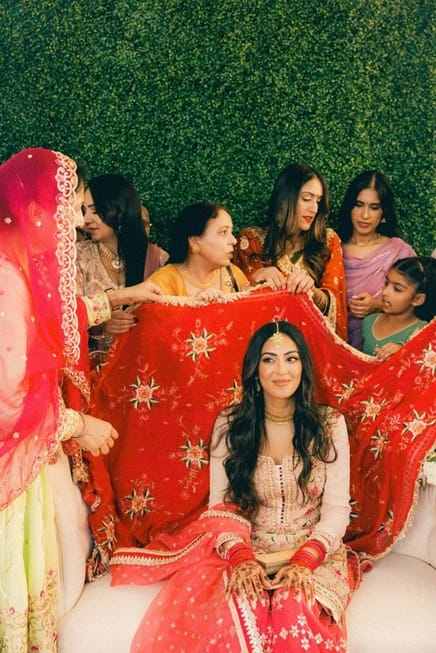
[333, 280]
[248, 250]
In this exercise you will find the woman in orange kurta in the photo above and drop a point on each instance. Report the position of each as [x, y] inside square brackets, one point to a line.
[296, 251]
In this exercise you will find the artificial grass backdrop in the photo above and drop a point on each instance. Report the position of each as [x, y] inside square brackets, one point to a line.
[202, 99]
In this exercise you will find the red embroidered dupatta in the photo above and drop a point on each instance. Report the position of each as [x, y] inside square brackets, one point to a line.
[167, 379]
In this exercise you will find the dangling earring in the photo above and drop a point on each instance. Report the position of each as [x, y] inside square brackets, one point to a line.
[383, 220]
[257, 385]
[195, 249]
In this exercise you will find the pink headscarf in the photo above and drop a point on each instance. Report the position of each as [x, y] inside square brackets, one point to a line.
[37, 294]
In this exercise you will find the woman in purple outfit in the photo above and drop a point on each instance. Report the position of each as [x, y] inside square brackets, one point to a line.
[370, 244]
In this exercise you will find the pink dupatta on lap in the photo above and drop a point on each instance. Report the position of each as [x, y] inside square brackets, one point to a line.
[191, 613]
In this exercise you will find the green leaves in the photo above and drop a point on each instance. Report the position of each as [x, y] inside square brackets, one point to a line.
[208, 100]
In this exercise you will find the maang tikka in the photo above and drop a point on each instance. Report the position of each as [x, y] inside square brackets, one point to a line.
[277, 337]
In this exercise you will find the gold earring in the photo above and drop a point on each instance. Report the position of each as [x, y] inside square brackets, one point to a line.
[195, 249]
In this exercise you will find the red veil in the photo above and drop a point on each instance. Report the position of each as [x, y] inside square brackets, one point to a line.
[167, 379]
[37, 265]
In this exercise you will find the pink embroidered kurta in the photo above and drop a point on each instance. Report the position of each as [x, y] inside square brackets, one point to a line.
[191, 613]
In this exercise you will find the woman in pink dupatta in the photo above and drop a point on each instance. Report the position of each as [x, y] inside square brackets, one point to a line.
[40, 202]
[279, 481]
[370, 245]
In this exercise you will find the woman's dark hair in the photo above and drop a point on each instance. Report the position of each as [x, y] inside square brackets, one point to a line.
[246, 432]
[420, 271]
[80, 174]
[380, 183]
[282, 225]
[191, 221]
[118, 205]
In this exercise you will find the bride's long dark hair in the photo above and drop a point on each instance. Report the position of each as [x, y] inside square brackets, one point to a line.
[246, 432]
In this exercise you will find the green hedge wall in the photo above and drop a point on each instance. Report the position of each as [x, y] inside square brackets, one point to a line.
[208, 100]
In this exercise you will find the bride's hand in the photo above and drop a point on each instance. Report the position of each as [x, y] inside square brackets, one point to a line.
[248, 580]
[297, 577]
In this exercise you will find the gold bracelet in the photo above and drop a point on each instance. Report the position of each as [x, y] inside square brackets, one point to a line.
[83, 432]
[111, 295]
[69, 423]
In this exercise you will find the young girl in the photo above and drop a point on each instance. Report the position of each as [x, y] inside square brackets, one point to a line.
[408, 303]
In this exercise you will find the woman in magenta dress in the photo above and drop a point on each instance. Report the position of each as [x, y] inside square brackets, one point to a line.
[371, 244]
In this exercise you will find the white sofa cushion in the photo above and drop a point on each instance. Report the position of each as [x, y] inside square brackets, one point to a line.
[391, 612]
[393, 609]
[420, 538]
[72, 533]
[106, 618]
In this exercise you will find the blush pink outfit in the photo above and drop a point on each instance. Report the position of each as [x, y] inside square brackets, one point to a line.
[191, 613]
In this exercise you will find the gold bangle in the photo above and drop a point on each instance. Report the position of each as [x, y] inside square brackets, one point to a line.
[83, 423]
[111, 295]
[70, 420]
[320, 299]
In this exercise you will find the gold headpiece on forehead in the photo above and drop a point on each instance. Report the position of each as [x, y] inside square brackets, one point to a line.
[277, 337]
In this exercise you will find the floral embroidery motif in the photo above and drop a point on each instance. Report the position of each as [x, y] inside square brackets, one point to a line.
[347, 391]
[372, 408]
[354, 514]
[199, 345]
[386, 527]
[380, 441]
[235, 392]
[417, 425]
[196, 454]
[35, 628]
[139, 503]
[108, 528]
[144, 393]
[428, 361]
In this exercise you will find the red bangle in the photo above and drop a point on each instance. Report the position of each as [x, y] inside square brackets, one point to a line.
[310, 555]
[239, 553]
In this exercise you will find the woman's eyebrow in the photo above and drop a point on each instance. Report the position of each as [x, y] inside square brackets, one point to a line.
[274, 353]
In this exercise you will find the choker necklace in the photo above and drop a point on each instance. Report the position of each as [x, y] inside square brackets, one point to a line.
[274, 419]
[197, 284]
[116, 262]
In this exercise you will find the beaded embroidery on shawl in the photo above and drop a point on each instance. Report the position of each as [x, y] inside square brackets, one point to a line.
[36, 626]
[66, 180]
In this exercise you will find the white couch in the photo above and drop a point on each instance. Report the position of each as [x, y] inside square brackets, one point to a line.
[393, 611]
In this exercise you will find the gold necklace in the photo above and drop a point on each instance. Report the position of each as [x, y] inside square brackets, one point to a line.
[197, 284]
[274, 419]
[116, 262]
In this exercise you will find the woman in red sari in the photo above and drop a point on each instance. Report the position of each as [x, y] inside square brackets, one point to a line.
[279, 484]
[295, 250]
